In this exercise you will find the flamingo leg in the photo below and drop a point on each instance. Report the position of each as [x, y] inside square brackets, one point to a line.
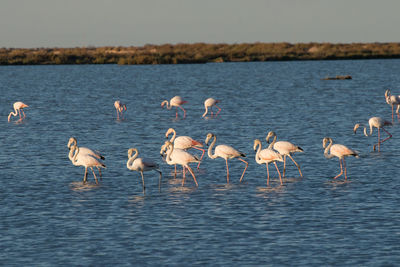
[194, 177]
[397, 112]
[266, 164]
[297, 165]
[202, 154]
[284, 165]
[219, 110]
[280, 178]
[144, 187]
[117, 114]
[345, 169]
[247, 164]
[85, 176]
[341, 169]
[390, 136]
[184, 111]
[23, 113]
[101, 178]
[227, 171]
[176, 112]
[95, 178]
[392, 113]
[184, 175]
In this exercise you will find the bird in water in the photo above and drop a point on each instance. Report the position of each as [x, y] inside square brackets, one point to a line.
[393, 100]
[266, 156]
[378, 123]
[18, 108]
[209, 103]
[176, 102]
[120, 108]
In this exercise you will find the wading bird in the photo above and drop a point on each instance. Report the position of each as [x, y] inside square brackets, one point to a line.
[209, 103]
[378, 123]
[226, 152]
[120, 108]
[18, 108]
[176, 102]
[393, 100]
[266, 156]
[284, 148]
[142, 165]
[340, 151]
[185, 142]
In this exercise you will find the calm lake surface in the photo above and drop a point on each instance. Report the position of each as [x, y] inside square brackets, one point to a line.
[48, 218]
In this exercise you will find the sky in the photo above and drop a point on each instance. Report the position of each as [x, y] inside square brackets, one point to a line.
[82, 23]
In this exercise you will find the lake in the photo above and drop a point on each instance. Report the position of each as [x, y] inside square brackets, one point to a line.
[49, 218]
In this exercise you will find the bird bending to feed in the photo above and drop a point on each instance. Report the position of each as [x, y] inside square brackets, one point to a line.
[393, 101]
[267, 156]
[185, 142]
[226, 152]
[209, 103]
[18, 108]
[181, 157]
[119, 107]
[142, 165]
[78, 158]
[340, 151]
[378, 123]
[284, 148]
[176, 102]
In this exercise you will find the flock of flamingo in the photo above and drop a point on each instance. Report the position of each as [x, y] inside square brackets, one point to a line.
[175, 150]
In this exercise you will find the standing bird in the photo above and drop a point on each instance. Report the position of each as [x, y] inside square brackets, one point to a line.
[378, 123]
[86, 160]
[284, 148]
[18, 108]
[84, 150]
[340, 151]
[267, 156]
[226, 152]
[185, 142]
[393, 101]
[142, 165]
[181, 157]
[119, 107]
[209, 103]
[176, 102]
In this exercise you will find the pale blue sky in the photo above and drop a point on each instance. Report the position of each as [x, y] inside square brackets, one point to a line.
[72, 23]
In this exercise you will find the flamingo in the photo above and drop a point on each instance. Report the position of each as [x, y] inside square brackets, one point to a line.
[209, 103]
[119, 107]
[84, 150]
[267, 156]
[86, 160]
[284, 148]
[378, 123]
[176, 102]
[181, 157]
[226, 152]
[142, 165]
[18, 108]
[340, 151]
[185, 142]
[393, 100]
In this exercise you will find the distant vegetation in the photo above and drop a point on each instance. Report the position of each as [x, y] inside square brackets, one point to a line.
[197, 53]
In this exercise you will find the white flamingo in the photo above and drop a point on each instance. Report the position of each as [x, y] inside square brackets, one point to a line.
[88, 161]
[176, 102]
[393, 100]
[226, 152]
[142, 165]
[284, 148]
[18, 108]
[181, 157]
[119, 108]
[378, 123]
[340, 151]
[185, 142]
[266, 156]
[84, 150]
[209, 103]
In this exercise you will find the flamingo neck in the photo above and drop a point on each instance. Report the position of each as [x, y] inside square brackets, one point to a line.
[257, 157]
[327, 150]
[209, 152]
[169, 152]
[131, 159]
[173, 136]
[15, 113]
[73, 153]
[165, 102]
[273, 143]
[205, 113]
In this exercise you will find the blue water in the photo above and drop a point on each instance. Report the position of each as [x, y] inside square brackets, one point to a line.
[48, 218]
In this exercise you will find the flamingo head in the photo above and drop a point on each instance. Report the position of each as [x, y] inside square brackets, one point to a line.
[326, 140]
[356, 127]
[164, 148]
[71, 141]
[130, 152]
[257, 142]
[165, 102]
[209, 136]
[270, 135]
[170, 131]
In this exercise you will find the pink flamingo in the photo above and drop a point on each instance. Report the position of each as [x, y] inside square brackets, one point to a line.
[119, 107]
[142, 165]
[393, 101]
[185, 142]
[209, 103]
[378, 123]
[18, 108]
[86, 160]
[267, 156]
[284, 148]
[226, 152]
[181, 157]
[176, 102]
[340, 151]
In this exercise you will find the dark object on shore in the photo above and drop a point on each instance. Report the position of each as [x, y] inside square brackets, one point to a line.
[339, 77]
